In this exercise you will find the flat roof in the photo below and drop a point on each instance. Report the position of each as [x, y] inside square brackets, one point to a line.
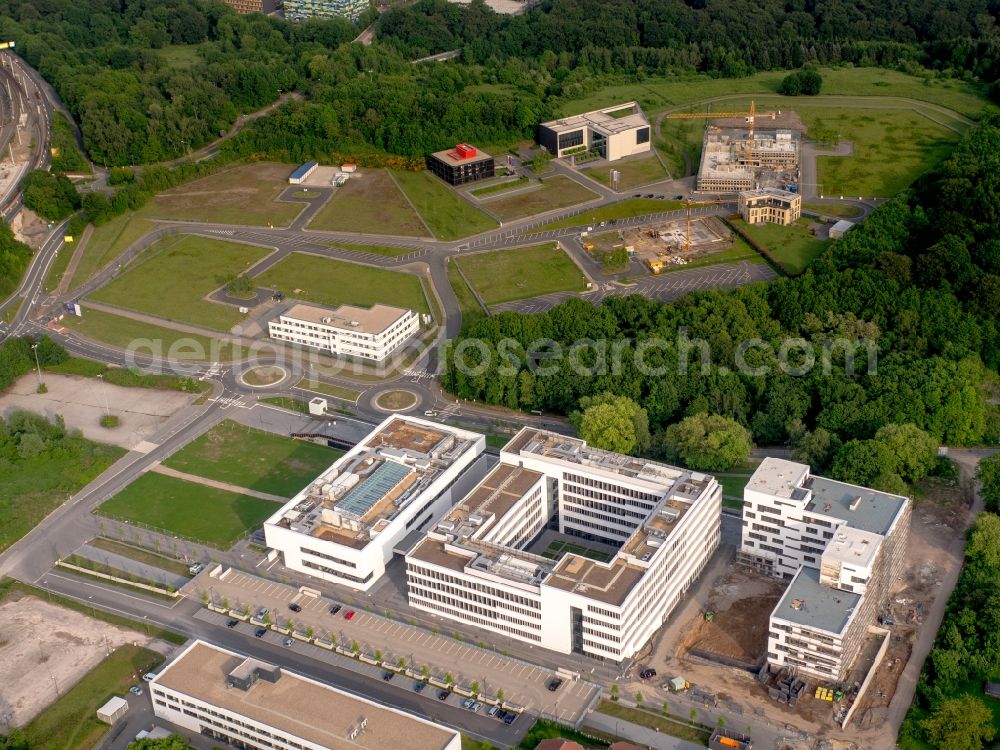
[303, 170]
[299, 706]
[783, 196]
[602, 119]
[874, 511]
[809, 603]
[853, 546]
[364, 497]
[842, 226]
[448, 157]
[374, 319]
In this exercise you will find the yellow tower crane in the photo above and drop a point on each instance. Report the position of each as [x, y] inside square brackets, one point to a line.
[750, 116]
[688, 205]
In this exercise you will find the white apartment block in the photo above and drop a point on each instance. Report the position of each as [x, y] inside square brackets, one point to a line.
[841, 545]
[365, 333]
[664, 522]
[344, 525]
[770, 205]
[247, 703]
[613, 132]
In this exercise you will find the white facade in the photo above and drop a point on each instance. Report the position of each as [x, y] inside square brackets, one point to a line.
[611, 132]
[232, 699]
[371, 334]
[841, 545]
[664, 521]
[343, 526]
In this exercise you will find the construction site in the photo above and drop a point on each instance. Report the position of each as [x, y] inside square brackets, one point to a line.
[672, 243]
[748, 150]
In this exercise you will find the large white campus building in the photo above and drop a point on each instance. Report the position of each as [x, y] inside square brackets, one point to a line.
[660, 524]
[371, 333]
[843, 548]
[613, 132]
[343, 526]
[247, 703]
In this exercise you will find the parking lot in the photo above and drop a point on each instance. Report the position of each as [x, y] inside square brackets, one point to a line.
[523, 684]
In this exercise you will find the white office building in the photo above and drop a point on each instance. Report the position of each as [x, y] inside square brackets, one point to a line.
[843, 548]
[344, 525]
[371, 333]
[660, 525]
[247, 703]
[613, 132]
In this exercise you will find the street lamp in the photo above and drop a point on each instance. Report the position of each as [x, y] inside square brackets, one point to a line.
[38, 367]
[107, 407]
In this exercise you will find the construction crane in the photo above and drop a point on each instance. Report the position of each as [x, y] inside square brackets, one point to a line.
[750, 116]
[688, 205]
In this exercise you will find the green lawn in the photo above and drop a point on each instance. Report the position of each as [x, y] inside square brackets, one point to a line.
[655, 721]
[106, 243]
[284, 402]
[633, 172]
[522, 272]
[174, 275]
[733, 485]
[335, 282]
[188, 510]
[58, 267]
[557, 549]
[448, 216]
[181, 56]
[841, 210]
[247, 194]
[88, 368]
[392, 251]
[139, 554]
[71, 722]
[369, 202]
[793, 246]
[555, 192]
[543, 730]
[471, 309]
[328, 389]
[257, 460]
[500, 187]
[625, 209]
[123, 332]
[738, 252]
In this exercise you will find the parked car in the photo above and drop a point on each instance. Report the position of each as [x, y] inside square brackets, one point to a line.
[679, 198]
[443, 695]
[295, 607]
[259, 632]
[476, 707]
[135, 690]
[232, 623]
[495, 711]
[554, 684]
[196, 569]
[637, 195]
[387, 675]
[647, 674]
[418, 686]
[349, 614]
[467, 703]
[508, 718]
[334, 609]
[149, 677]
[288, 641]
[262, 612]
[650, 195]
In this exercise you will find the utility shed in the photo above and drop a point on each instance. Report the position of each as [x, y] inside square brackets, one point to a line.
[841, 228]
[113, 710]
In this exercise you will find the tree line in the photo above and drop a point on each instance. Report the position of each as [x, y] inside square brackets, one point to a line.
[918, 282]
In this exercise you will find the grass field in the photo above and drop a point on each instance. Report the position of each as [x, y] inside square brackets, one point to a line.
[622, 210]
[794, 246]
[335, 282]
[390, 251]
[173, 276]
[71, 722]
[471, 309]
[369, 202]
[654, 719]
[500, 187]
[522, 272]
[633, 172]
[284, 402]
[841, 210]
[261, 461]
[141, 555]
[243, 195]
[557, 549]
[58, 267]
[192, 511]
[448, 216]
[328, 389]
[122, 332]
[106, 243]
[180, 56]
[733, 485]
[555, 192]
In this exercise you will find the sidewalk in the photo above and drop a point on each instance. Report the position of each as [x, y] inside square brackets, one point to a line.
[128, 565]
[626, 730]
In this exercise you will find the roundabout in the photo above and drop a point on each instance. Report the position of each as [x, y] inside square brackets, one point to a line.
[263, 376]
[396, 400]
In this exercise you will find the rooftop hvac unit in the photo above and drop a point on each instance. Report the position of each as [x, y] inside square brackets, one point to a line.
[855, 502]
[670, 514]
[354, 324]
[654, 542]
[326, 320]
[446, 526]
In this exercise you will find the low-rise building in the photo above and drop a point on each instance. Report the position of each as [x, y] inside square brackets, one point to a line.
[247, 703]
[841, 228]
[302, 172]
[462, 164]
[842, 547]
[613, 132]
[113, 710]
[770, 205]
[372, 333]
[299, 10]
[473, 566]
[344, 525]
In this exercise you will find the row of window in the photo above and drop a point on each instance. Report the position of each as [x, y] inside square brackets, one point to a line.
[570, 497]
[336, 573]
[496, 593]
[491, 623]
[470, 600]
[613, 488]
[331, 558]
[230, 723]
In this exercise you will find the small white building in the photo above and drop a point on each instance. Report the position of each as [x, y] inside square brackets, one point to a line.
[371, 333]
[841, 228]
[113, 710]
[302, 172]
[613, 132]
[842, 546]
[664, 522]
[244, 702]
[344, 525]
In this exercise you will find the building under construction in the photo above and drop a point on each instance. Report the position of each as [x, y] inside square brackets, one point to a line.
[731, 161]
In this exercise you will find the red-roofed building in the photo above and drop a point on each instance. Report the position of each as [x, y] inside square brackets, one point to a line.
[558, 743]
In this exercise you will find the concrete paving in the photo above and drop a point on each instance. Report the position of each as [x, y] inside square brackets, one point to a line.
[626, 730]
[128, 565]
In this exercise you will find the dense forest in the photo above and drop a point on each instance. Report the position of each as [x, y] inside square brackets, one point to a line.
[920, 279]
[149, 80]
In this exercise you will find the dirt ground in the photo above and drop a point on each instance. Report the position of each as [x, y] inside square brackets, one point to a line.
[741, 604]
[29, 228]
[83, 401]
[45, 649]
[663, 241]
